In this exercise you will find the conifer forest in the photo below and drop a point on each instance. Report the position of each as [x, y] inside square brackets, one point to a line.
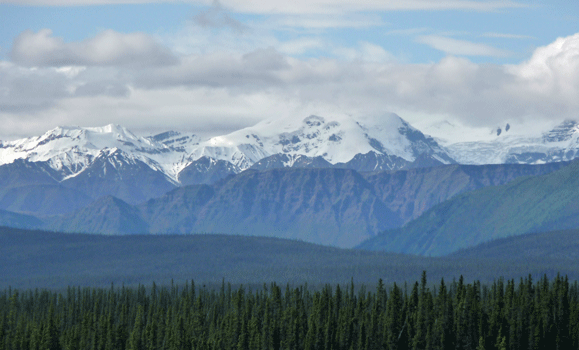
[458, 315]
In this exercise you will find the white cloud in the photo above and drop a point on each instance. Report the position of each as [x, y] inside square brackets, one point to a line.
[220, 90]
[460, 47]
[106, 49]
[306, 6]
[366, 52]
[301, 46]
[507, 36]
[553, 71]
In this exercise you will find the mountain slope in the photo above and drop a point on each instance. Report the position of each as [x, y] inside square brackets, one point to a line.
[335, 207]
[108, 215]
[22, 173]
[410, 193]
[529, 204]
[115, 173]
[206, 170]
[43, 200]
[544, 246]
[11, 219]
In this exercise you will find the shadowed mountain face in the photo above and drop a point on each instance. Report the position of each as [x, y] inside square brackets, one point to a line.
[410, 193]
[31, 188]
[35, 188]
[206, 170]
[108, 215]
[338, 207]
[330, 206]
[525, 205]
[116, 174]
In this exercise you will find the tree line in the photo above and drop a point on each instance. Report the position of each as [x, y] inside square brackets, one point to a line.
[458, 315]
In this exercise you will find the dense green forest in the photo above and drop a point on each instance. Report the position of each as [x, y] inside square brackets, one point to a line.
[456, 315]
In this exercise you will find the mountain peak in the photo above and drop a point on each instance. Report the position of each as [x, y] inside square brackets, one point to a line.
[336, 138]
[332, 139]
[565, 131]
[111, 129]
[314, 120]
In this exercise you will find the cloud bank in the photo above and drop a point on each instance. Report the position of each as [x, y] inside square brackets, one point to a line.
[143, 84]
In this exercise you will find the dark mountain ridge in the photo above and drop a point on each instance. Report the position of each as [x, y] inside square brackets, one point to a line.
[338, 207]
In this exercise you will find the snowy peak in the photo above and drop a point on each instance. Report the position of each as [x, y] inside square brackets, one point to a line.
[64, 139]
[337, 139]
[566, 131]
[70, 150]
[326, 140]
[365, 143]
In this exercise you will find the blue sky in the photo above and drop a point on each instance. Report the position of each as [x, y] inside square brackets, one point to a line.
[211, 67]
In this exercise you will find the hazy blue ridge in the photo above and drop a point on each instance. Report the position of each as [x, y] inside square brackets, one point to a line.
[544, 246]
[525, 205]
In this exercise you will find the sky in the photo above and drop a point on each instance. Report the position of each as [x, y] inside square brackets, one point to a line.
[211, 67]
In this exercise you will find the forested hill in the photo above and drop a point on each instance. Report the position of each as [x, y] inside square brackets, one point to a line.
[544, 246]
[56, 260]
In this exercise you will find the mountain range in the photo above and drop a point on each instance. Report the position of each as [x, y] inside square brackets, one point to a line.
[385, 142]
[70, 151]
[337, 181]
[340, 207]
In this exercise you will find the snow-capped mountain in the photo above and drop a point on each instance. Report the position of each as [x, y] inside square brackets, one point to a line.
[333, 140]
[336, 139]
[385, 142]
[559, 144]
[70, 150]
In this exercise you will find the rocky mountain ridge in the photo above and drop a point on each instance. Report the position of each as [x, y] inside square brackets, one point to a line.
[386, 142]
[186, 158]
